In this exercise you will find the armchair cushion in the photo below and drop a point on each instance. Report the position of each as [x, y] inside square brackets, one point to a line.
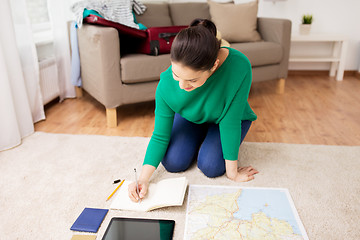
[261, 53]
[184, 13]
[137, 68]
[156, 15]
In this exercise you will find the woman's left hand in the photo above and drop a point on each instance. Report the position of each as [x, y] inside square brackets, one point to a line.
[245, 174]
[239, 174]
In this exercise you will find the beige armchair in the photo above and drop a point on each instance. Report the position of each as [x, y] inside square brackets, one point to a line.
[115, 79]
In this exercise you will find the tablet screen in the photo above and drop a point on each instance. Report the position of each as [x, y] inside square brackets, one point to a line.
[136, 228]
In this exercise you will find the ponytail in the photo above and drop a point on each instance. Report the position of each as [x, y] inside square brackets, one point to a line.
[196, 46]
[205, 23]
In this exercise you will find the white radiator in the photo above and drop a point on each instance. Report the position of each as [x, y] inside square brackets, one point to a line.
[48, 79]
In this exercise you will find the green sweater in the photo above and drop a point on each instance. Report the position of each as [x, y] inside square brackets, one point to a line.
[221, 100]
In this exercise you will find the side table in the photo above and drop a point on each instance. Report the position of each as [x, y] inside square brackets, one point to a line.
[336, 57]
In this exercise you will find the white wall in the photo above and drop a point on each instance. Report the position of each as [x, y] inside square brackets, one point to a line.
[329, 16]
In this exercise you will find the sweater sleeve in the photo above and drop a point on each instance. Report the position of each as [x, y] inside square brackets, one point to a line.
[230, 125]
[164, 118]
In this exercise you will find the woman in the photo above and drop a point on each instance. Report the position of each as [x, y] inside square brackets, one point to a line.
[201, 110]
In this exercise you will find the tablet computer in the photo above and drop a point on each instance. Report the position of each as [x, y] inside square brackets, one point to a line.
[137, 228]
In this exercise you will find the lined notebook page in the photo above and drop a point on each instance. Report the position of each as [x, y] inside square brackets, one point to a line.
[167, 192]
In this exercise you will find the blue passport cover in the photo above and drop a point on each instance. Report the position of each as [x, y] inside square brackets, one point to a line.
[89, 220]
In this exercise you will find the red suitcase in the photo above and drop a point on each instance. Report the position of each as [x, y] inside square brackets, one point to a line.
[159, 40]
[153, 41]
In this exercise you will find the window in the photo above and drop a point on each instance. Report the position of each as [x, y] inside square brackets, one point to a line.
[40, 21]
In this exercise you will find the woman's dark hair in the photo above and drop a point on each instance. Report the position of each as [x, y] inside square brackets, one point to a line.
[196, 46]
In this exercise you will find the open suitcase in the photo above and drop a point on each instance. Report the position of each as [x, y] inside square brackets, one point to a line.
[153, 41]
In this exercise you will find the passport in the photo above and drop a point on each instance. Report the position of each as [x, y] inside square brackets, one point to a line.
[89, 220]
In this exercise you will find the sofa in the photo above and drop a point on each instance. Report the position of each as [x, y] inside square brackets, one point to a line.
[115, 78]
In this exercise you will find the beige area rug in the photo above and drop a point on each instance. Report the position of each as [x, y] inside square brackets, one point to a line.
[48, 180]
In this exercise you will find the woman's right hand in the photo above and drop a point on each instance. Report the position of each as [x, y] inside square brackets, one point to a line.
[143, 188]
[143, 181]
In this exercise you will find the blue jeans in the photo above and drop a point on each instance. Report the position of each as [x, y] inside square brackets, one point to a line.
[190, 141]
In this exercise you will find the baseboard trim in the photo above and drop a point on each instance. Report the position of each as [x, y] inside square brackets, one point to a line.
[357, 74]
[347, 73]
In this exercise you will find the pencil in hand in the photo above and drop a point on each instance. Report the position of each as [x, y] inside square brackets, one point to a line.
[137, 186]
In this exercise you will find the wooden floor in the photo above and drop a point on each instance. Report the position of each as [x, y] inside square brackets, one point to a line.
[315, 109]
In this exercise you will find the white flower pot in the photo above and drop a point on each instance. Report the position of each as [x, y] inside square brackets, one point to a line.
[305, 29]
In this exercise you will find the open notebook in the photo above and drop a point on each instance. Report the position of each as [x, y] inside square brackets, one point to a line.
[167, 192]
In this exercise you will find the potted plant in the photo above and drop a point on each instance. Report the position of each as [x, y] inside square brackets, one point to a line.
[305, 27]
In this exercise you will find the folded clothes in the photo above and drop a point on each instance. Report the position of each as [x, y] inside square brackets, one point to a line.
[119, 11]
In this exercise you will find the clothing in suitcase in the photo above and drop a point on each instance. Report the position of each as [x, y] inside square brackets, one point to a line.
[153, 41]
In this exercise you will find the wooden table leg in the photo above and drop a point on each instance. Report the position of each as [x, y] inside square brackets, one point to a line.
[341, 66]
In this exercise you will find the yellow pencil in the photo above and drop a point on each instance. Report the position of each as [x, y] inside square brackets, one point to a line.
[116, 189]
